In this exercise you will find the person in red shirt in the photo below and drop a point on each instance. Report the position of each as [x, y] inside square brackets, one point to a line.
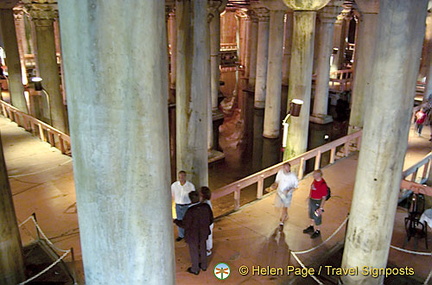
[317, 198]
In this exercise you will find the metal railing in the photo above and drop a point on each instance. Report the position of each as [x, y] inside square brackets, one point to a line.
[44, 131]
[258, 178]
[420, 171]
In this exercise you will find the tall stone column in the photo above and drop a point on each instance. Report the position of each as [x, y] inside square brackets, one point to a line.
[119, 131]
[21, 39]
[13, 62]
[325, 48]
[172, 39]
[301, 72]
[341, 35]
[214, 9]
[274, 72]
[252, 46]
[262, 56]
[365, 50]
[400, 30]
[193, 88]
[289, 23]
[11, 261]
[43, 16]
[428, 58]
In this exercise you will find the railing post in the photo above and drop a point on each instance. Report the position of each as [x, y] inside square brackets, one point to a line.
[237, 199]
[41, 132]
[62, 148]
[301, 168]
[260, 187]
[414, 175]
[346, 148]
[425, 171]
[317, 160]
[332, 155]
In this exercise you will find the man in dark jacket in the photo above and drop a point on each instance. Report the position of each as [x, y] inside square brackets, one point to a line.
[196, 223]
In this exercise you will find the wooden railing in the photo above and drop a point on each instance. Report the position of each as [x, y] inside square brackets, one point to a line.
[340, 80]
[258, 178]
[44, 131]
[420, 171]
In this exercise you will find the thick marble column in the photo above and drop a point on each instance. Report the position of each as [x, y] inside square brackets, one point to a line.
[11, 261]
[214, 9]
[365, 50]
[119, 130]
[289, 23]
[325, 48]
[427, 95]
[272, 112]
[193, 89]
[262, 56]
[252, 46]
[301, 72]
[13, 61]
[401, 31]
[43, 16]
[172, 39]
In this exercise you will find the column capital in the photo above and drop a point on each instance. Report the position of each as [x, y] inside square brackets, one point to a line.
[306, 5]
[18, 12]
[262, 13]
[252, 15]
[330, 12]
[43, 14]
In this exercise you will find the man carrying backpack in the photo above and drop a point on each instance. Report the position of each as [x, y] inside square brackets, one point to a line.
[317, 197]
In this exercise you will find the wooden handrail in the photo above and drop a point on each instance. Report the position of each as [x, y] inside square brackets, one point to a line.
[298, 160]
[426, 163]
[34, 125]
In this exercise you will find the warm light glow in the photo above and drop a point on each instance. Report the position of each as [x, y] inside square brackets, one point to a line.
[36, 79]
[297, 101]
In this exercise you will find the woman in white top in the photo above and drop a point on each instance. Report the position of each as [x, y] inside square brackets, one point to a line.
[286, 182]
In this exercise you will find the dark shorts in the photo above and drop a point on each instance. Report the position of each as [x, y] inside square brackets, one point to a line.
[313, 206]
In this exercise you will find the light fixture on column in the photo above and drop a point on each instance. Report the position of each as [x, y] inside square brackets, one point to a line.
[38, 87]
[294, 110]
[37, 83]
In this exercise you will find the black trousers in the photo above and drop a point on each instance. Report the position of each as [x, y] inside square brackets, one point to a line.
[198, 254]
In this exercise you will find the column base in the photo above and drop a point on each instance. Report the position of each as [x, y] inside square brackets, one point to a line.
[321, 119]
[214, 155]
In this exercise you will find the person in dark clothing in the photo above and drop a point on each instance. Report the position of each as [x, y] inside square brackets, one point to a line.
[196, 222]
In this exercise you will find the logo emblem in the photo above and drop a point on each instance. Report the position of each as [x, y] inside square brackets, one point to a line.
[222, 271]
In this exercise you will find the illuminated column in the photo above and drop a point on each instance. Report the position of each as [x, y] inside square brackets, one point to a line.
[341, 33]
[301, 72]
[289, 22]
[252, 45]
[22, 42]
[11, 261]
[43, 16]
[119, 132]
[262, 56]
[366, 39]
[274, 74]
[400, 29]
[193, 87]
[13, 61]
[172, 38]
[325, 48]
[428, 65]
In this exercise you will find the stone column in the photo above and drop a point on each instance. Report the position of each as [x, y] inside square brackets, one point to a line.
[428, 58]
[400, 30]
[11, 261]
[328, 17]
[272, 112]
[342, 31]
[172, 38]
[262, 56]
[193, 87]
[289, 23]
[252, 46]
[214, 9]
[365, 49]
[301, 72]
[22, 42]
[16, 88]
[43, 16]
[119, 130]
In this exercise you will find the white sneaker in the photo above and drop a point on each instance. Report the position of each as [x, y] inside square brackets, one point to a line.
[209, 252]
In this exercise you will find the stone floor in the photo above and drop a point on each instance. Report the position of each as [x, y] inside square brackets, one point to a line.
[42, 182]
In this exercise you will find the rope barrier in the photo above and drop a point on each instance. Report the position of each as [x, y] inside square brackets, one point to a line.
[412, 252]
[302, 265]
[46, 269]
[321, 244]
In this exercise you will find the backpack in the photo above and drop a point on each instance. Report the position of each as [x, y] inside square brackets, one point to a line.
[328, 193]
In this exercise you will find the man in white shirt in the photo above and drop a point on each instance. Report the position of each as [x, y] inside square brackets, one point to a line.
[286, 182]
[180, 193]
